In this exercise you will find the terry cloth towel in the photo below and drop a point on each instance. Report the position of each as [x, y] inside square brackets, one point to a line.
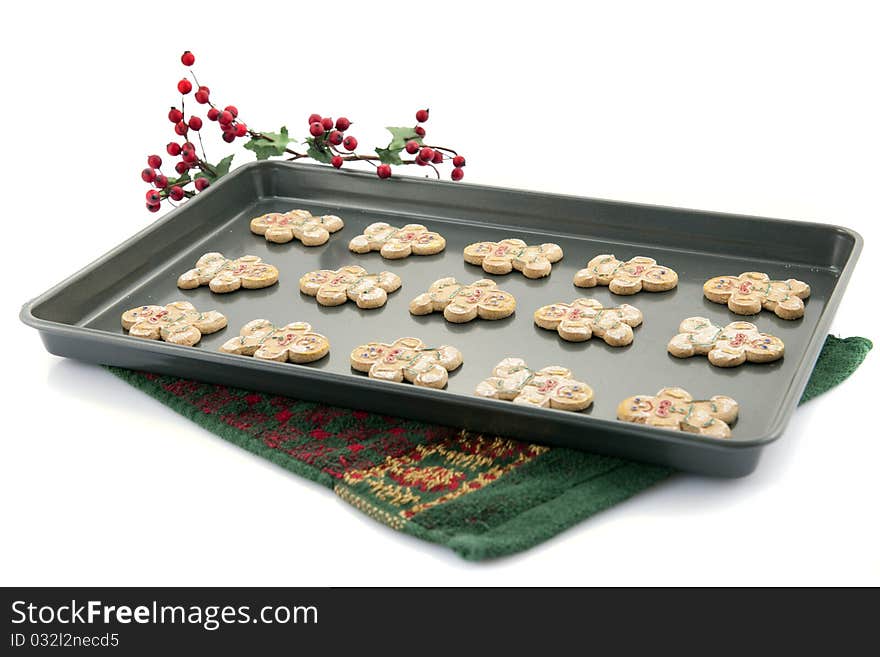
[482, 496]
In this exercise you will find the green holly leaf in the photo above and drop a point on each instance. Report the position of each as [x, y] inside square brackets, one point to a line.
[217, 170]
[269, 144]
[182, 180]
[389, 156]
[399, 137]
[318, 152]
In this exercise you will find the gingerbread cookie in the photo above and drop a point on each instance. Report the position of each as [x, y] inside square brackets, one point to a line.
[407, 359]
[224, 275]
[674, 408]
[583, 318]
[178, 323]
[730, 346]
[295, 342]
[394, 243]
[747, 293]
[335, 287]
[281, 227]
[634, 275]
[550, 387]
[462, 303]
[505, 256]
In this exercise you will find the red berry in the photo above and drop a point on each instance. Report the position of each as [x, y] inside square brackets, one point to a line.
[316, 129]
[335, 137]
[241, 129]
[175, 193]
[153, 207]
[175, 115]
[314, 118]
[342, 124]
[173, 148]
[153, 196]
[438, 157]
[419, 130]
[161, 181]
[336, 161]
[232, 109]
[188, 58]
[458, 161]
[202, 183]
[154, 161]
[383, 171]
[195, 123]
[422, 116]
[327, 122]
[229, 137]
[350, 143]
[181, 128]
[225, 117]
[181, 168]
[148, 175]
[190, 156]
[202, 95]
[426, 154]
[412, 147]
[213, 114]
[421, 163]
[184, 86]
[457, 173]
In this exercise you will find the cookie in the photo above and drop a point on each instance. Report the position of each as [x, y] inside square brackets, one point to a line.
[462, 303]
[675, 409]
[583, 318]
[751, 291]
[407, 359]
[730, 346]
[394, 243]
[281, 227]
[295, 342]
[505, 256]
[335, 287]
[224, 275]
[551, 387]
[178, 323]
[624, 278]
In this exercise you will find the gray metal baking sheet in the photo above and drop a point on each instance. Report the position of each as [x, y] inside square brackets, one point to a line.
[80, 317]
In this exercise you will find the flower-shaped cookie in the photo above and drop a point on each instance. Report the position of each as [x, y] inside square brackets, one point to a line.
[295, 342]
[224, 275]
[550, 387]
[583, 318]
[178, 322]
[747, 293]
[634, 275]
[462, 303]
[394, 243]
[335, 287]
[674, 408]
[407, 359]
[505, 256]
[281, 227]
[730, 346]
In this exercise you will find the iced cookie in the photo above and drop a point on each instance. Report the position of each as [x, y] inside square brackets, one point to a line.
[674, 408]
[634, 275]
[730, 346]
[583, 318]
[178, 323]
[394, 243]
[407, 359]
[505, 256]
[295, 342]
[281, 227]
[751, 291]
[462, 303]
[551, 387]
[335, 287]
[224, 275]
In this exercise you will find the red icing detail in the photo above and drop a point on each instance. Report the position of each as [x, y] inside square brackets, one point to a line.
[663, 408]
[738, 340]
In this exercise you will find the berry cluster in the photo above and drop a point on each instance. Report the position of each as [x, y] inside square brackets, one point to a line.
[327, 143]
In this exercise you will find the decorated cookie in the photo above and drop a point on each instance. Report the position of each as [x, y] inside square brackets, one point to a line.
[730, 346]
[634, 275]
[281, 227]
[505, 256]
[407, 359]
[178, 323]
[551, 387]
[462, 303]
[583, 318]
[747, 293]
[224, 275]
[335, 287]
[295, 342]
[674, 408]
[394, 243]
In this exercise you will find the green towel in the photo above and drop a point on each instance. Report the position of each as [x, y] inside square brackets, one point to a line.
[482, 496]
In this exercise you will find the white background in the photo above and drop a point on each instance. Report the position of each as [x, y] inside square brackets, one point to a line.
[763, 108]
